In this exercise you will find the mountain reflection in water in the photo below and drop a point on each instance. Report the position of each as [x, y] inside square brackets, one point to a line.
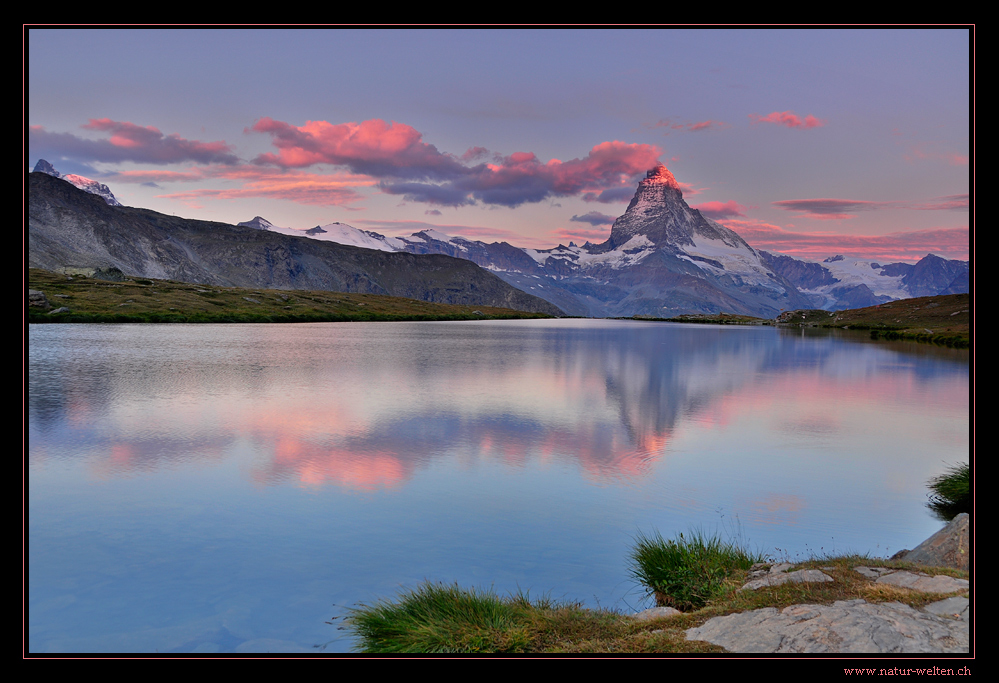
[495, 448]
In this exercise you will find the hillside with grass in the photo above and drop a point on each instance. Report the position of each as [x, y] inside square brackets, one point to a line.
[944, 319]
[82, 299]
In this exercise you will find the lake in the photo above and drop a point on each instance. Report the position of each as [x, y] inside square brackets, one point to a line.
[233, 488]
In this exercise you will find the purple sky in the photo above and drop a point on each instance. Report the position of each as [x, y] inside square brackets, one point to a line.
[805, 142]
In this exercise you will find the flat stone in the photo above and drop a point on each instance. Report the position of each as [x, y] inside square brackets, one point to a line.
[873, 572]
[845, 626]
[924, 582]
[955, 608]
[656, 613]
[800, 576]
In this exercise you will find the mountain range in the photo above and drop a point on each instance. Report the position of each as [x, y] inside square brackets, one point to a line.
[662, 258]
[71, 228]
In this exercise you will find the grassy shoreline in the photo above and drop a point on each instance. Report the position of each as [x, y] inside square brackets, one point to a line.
[699, 576]
[143, 300]
[442, 618]
[944, 320]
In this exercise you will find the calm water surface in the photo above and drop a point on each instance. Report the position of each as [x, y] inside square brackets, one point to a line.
[231, 488]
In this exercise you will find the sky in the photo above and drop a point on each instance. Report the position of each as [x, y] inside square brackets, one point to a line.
[806, 142]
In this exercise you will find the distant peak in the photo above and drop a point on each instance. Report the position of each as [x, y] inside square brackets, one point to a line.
[660, 175]
[258, 223]
[45, 167]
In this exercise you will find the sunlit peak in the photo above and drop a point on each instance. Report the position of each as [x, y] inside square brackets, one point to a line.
[660, 175]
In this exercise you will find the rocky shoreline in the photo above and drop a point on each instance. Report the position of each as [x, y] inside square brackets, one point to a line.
[856, 626]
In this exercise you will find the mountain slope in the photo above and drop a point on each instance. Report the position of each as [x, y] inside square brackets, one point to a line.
[85, 184]
[69, 227]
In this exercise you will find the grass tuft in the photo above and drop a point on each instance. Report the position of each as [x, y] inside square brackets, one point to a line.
[436, 617]
[688, 571]
[951, 492]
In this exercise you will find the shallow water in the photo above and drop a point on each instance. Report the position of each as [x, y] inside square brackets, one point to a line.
[220, 488]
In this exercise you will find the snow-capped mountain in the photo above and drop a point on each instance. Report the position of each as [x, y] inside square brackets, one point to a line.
[664, 258]
[841, 282]
[341, 233]
[85, 184]
[257, 223]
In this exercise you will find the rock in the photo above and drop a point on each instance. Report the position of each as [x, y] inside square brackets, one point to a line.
[955, 608]
[776, 579]
[61, 309]
[110, 274]
[656, 613]
[845, 626]
[946, 548]
[37, 299]
[924, 582]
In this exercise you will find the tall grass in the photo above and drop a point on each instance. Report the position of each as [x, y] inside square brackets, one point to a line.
[437, 617]
[951, 492]
[688, 571]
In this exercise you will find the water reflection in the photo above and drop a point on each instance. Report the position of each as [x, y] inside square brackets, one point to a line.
[221, 487]
[365, 405]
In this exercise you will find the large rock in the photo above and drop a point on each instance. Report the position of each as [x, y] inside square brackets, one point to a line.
[37, 299]
[948, 547]
[845, 626]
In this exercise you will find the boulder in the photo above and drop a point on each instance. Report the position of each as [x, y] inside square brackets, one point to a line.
[37, 299]
[948, 547]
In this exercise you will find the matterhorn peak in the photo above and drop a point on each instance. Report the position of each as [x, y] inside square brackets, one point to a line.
[660, 175]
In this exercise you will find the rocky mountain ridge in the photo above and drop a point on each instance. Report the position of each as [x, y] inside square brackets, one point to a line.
[85, 184]
[68, 227]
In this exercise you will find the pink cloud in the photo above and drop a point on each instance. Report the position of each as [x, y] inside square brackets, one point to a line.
[593, 218]
[705, 125]
[829, 209]
[473, 153]
[838, 209]
[954, 202]
[127, 142]
[372, 147]
[158, 176]
[579, 235]
[690, 127]
[716, 210]
[396, 154]
[932, 152]
[788, 119]
[300, 187]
